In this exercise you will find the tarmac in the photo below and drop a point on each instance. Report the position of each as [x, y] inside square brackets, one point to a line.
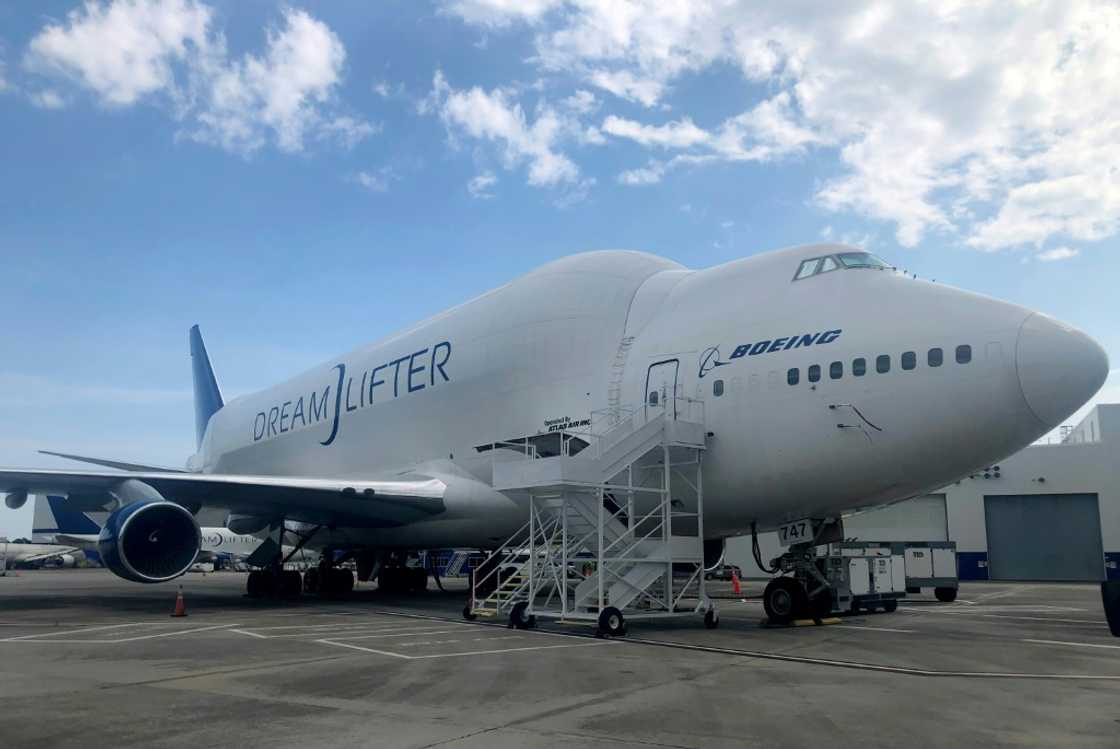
[89, 659]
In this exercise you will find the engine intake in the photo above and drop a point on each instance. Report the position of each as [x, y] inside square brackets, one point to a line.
[150, 541]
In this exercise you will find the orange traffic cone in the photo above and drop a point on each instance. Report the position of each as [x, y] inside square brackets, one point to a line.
[180, 604]
[735, 583]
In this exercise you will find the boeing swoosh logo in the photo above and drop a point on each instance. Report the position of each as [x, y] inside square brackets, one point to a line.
[709, 360]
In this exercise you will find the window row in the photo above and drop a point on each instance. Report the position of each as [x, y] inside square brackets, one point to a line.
[935, 357]
[909, 360]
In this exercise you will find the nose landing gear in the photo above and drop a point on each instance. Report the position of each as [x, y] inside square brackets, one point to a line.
[806, 593]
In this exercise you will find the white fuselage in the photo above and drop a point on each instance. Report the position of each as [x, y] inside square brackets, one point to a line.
[602, 330]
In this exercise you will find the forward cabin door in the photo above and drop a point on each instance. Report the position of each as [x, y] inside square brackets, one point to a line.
[661, 386]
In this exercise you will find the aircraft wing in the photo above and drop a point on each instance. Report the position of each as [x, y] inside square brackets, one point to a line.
[353, 502]
[83, 541]
[57, 552]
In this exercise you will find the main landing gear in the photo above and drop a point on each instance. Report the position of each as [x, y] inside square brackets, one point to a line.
[273, 583]
[395, 576]
[326, 580]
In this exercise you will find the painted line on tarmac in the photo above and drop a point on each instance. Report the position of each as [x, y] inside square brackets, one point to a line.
[1073, 644]
[411, 633]
[460, 655]
[1051, 619]
[73, 641]
[74, 631]
[874, 667]
[873, 629]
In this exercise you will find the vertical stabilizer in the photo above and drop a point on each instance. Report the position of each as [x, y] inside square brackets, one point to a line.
[207, 397]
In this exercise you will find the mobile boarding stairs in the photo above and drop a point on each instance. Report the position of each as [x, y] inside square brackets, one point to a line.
[616, 523]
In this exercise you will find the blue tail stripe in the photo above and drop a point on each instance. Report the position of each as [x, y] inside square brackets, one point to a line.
[70, 521]
[207, 397]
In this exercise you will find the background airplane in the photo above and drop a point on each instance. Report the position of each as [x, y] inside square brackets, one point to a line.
[15, 553]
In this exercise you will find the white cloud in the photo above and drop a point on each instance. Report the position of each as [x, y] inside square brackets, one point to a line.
[479, 185]
[499, 12]
[626, 85]
[125, 49]
[682, 134]
[582, 102]
[648, 175]
[1058, 253]
[494, 116]
[348, 131]
[996, 123]
[280, 92]
[377, 180]
[129, 50]
[47, 99]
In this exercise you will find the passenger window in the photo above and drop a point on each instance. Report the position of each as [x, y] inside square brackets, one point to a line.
[827, 264]
[964, 354]
[909, 360]
[653, 397]
[859, 367]
[883, 364]
[934, 357]
[793, 376]
[717, 388]
[814, 373]
[836, 370]
[808, 268]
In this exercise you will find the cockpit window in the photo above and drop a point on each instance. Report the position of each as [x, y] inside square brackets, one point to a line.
[808, 268]
[843, 260]
[861, 260]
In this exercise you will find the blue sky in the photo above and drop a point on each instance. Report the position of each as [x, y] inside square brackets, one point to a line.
[299, 179]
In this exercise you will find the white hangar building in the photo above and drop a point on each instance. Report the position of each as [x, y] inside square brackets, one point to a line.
[1049, 512]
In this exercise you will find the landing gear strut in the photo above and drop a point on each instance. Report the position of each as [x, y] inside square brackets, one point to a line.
[273, 581]
[328, 581]
[397, 576]
[806, 593]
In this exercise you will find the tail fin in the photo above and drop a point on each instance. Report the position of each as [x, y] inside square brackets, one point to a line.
[52, 517]
[207, 397]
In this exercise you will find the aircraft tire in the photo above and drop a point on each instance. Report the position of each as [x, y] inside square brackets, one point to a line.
[945, 595]
[711, 618]
[418, 578]
[890, 605]
[311, 581]
[342, 582]
[784, 600]
[291, 584]
[821, 606]
[253, 586]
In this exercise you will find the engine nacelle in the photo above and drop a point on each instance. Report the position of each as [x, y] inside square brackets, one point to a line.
[15, 500]
[150, 541]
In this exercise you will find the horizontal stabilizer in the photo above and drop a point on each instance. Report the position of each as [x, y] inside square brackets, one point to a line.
[120, 465]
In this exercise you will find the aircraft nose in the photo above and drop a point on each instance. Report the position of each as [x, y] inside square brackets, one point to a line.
[1059, 367]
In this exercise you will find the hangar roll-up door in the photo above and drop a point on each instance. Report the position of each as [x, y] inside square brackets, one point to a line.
[1044, 537]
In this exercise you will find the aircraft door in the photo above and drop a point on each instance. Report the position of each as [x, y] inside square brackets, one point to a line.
[661, 385]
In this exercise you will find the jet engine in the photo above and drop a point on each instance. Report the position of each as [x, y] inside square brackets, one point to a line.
[150, 541]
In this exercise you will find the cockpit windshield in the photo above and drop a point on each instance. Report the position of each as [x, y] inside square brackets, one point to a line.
[861, 260]
[839, 261]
